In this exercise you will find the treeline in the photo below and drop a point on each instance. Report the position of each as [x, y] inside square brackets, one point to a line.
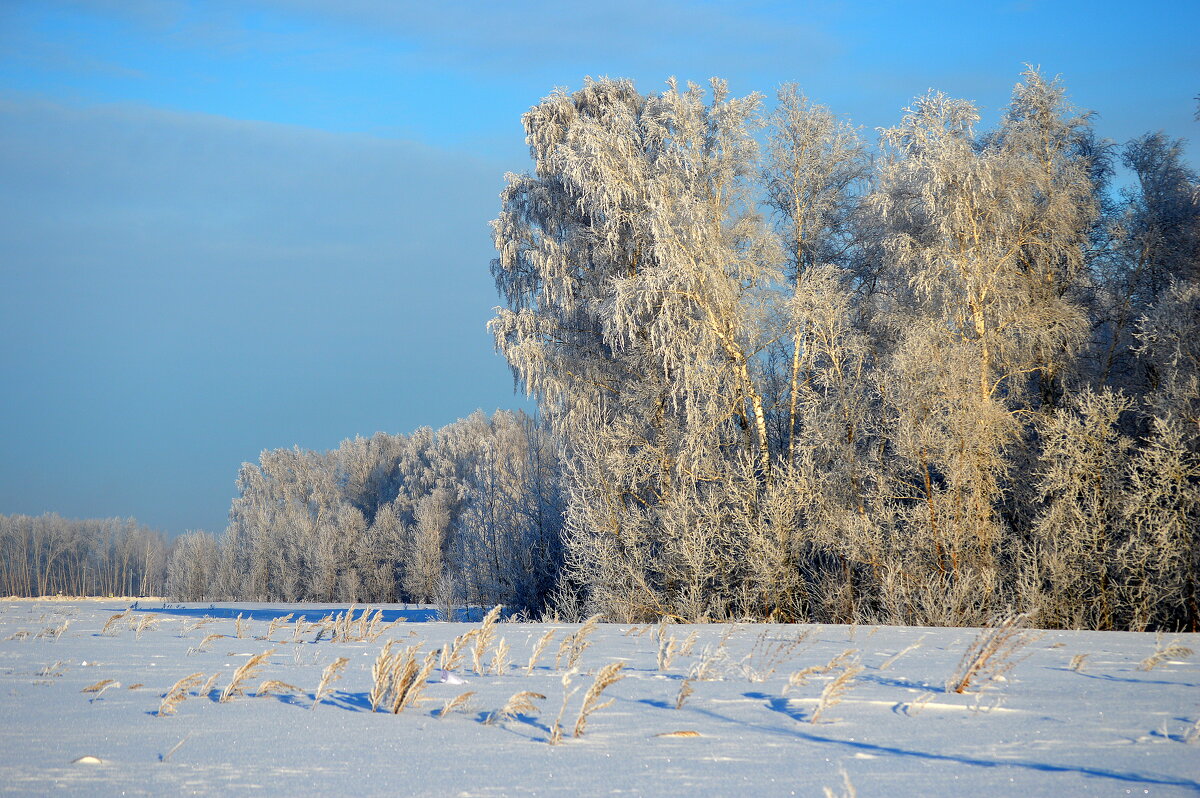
[784, 373]
[470, 513]
[799, 377]
[47, 555]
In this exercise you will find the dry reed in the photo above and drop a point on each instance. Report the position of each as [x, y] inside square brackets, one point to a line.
[243, 674]
[1164, 653]
[207, 689]
[331, 674]
[459, 700]
[993, 653]
[573, 646]
[685, 690]
[275, 686]
[519, 703]
[538, 648]
[111, 623]
[606, 677]
[178, 692]
[836, 690]
[277, 623]
[452, 656]
[483, 640]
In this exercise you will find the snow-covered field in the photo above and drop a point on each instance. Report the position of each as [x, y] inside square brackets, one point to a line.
[1075, 717]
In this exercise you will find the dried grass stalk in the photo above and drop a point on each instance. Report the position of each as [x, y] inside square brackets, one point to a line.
[239, 626]
[483, 640]
[245, 673]
[100, 686]
[801, 677]
[556, 730]
[1164, 653]
[887, 663]
[574, 645]
[993, 653]
[606, 677]
[276, 623]
[848, 788]
[836, 690]
[452, 656]
[459, 700]
[178, 692]
[54, 631]
[207, 689]
[146, 622]
[300, 628]
[275, 686]
[381, 675]
[519, 703]
[407, 689]
[500, 658]
[112, 622]
[208, 639]
[1078, 660]
[331, 674]
[667, 649]
[538, 648]
[685, 690]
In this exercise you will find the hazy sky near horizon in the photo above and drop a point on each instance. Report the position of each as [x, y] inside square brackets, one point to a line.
[232, 226]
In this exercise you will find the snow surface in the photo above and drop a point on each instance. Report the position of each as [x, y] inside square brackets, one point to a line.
[1107, 728]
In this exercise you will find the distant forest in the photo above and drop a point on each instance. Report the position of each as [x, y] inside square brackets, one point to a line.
[784, 373]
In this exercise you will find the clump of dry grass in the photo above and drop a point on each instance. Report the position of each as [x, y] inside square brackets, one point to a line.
[178, 692]
[1077, 661]
[243, 674]
[606, 677]
[275, 686]
[208, 687]
[453, 655]
[556, 731]
[277, 623]
[767, 655]
[398, 681]
[573, 646]
[458, 701]
[300, 627]
[836, 690]
[500, 658]
[538, 648]
[332, 672]
[519, 703]
[197, 624]
[56, 669]
[1164, 653]
[55, 631]
[685, 690]
[204, 643]
[713, 658]
[483, 640]
[239, 626]
[113, 622]
[993, 653]
[800, 677]
[668, 647]
[99, 687]
[146, 622]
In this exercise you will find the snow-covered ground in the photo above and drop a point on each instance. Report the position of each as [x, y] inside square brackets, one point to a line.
[1075, 717]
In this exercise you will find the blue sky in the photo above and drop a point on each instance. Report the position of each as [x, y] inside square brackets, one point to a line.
[230, 226]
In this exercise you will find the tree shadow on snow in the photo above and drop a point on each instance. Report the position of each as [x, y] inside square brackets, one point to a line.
[777, 704]
[311, 613]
